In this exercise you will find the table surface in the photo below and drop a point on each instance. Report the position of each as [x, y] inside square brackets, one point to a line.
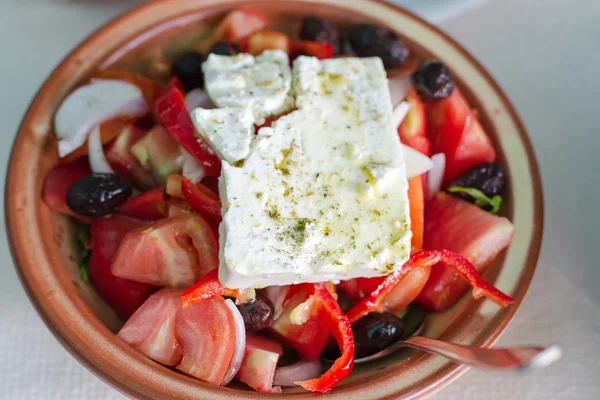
[545, 58]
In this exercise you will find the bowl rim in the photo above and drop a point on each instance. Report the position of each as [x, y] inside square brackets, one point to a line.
[17, 233]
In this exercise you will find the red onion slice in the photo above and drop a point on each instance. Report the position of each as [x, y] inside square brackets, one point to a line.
[240, 343]
[416, 162]
[436, 174]
[98, 161]
[399, 113]
[300, 371]
[277, 295]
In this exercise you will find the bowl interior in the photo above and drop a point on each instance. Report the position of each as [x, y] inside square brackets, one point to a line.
[44, 248]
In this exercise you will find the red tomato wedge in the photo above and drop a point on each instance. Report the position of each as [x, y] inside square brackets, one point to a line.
[123, 295]
[239, 24]
[151, 329]
[455, 131]
[309, 338]
[206, 333]
[259, 364]
[414, 124]
[308, 48]
[121, 159]
[148, 206]
[59, 180]
[173, 114]
[202, 199]
[173, 252]
[459, 226]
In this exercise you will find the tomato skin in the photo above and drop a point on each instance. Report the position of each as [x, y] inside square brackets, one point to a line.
[455, 131]
[459, 226]
[206, 333]
[147, 206]
[59, 180]
[123, 295]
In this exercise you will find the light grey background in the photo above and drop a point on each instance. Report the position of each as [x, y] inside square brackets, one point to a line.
[543, 53]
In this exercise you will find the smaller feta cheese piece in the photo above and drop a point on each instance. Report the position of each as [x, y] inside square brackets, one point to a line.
[229, 131]
[261, 83]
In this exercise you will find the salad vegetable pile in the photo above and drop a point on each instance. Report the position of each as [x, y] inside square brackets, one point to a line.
[145, 183]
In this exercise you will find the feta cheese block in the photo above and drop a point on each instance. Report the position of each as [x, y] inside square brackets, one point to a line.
[260, 83]
[229, 131]
[323, 193]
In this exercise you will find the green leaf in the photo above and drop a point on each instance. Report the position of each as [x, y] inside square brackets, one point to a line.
[481, 200]
[83, 237]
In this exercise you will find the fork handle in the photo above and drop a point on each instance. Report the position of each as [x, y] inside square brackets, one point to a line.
[494, 358]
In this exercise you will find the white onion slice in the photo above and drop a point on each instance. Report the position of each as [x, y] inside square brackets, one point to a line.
[98, 161]
[398, 87]
[198, 98]
[240, 343]
[277, 295]
[92, 104]
[300, 371]
[436, 174]
[191, 169]
[416, 162]
[399, 113]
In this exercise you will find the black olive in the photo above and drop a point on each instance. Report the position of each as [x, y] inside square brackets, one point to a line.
[319, 30]
[188, 68]
[373, 41]
[224, 49]
[376, 331]
[487, 177]
[97, 195]
[257, 314]
[433, 81]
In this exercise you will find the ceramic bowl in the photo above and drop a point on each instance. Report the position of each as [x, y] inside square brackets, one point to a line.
[43, 245]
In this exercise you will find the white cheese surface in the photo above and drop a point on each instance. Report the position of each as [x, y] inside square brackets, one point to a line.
[323, 193]
[229, 131]
[260, 83]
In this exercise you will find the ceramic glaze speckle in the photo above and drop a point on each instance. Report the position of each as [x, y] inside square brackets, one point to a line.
[83, 322]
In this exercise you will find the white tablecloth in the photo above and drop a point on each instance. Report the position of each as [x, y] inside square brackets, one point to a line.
[546, 59]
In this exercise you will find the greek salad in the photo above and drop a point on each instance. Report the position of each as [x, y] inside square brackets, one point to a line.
[278, 200]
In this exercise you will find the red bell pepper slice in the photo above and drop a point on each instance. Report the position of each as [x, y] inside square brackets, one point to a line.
[339, 325]
[308, 48]
[174, 116]
[207, 287]
[202, 199]
[148, 206]
[428, 258]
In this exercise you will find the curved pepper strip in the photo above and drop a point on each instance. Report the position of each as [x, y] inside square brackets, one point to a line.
[174, 116]
[339, 325]
[207, 287]
[428, 258]
[202, 199]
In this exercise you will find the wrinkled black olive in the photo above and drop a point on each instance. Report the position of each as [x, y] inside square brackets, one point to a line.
[373, 41]
[188, 68]
[376, 331]
[319, 30]
[224, 49]
[433, 81]
[257, 314]
[487, 177]
[97, 195]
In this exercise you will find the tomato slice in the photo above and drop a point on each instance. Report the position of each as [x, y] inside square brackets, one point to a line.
[148, 206]
[124, 296]
[151, 329]
[259, 364]
[239, 24]
[59, 180]
[173, 252]
[206, 333]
